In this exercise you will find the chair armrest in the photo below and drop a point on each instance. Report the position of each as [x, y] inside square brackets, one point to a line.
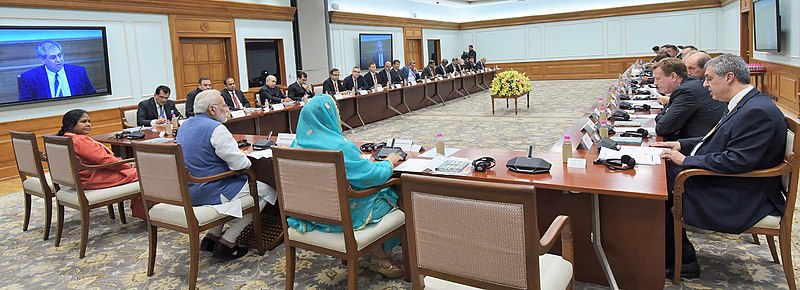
[101, 166]
[126, 125]
[560, 226]
[372, 190]
[246, 171]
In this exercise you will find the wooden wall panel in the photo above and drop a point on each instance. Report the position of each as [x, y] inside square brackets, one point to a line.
[203, 8]
[572, 69]
[783, 83]
[103, 121]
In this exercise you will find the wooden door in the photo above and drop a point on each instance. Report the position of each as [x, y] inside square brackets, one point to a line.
[202, 57]
[413, 51]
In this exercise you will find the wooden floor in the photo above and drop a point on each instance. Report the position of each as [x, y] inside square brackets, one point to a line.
[10, 185]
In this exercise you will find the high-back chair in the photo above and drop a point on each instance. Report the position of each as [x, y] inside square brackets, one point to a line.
[128, 116]
[770, 226]
[465, 234]
[164, 180]
[312, 185]
[64, 171]
[34, 180]
[180, 105]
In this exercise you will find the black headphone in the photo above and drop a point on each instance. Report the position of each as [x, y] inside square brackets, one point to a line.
[369, 147]
[624, 163]
[642, 107]
[484, 163]
[641, 132]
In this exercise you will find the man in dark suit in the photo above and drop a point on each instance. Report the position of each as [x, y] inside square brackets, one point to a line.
[481, 64]
[470, 64]
[691, 112]
[234, 98]
[355, 80]
[371, 78]
[430, 70]
[270, 93]
[441, 69]
[750, 136]
[300, 88]
[157, 110]
[385, 76]
[452, 66]
[204, 83]
[380, 55]
[54, 78]
[395, 72]
[472, 54]
[333, 85]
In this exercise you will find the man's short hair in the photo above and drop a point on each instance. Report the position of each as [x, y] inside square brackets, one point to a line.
[200, 81]
[661, 55]
[444, 61]
[656, 48]
[702, 58]
[396, 61]
[302, 74]
[334, 70]
[272, 77]
[673, 47]
[470, 46]
[205, 100]
[371, 63]
[431, 62]
[44, 46]
[226, 80]
[357, 67]
[690, 47]
[410, 63]
[671, 65]
[726, 63]
[162, 89]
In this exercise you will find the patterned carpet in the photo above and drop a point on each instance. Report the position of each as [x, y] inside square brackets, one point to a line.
[117, 254]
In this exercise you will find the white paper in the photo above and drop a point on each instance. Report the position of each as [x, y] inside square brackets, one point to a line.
[302, 103]
[436, 161]
[397, 86]
[627, 124]
[379, 89]
[620, 130]
[576, 163]
[285, 139]
[413, 165]
[338, 96]
[404, 144]
[650, 116]
[643, 155]
[586, 140]
[250, 110]
[232, 208]
[363, 92]
[258, 154]
[134, 129]
[277, 107]
[238, 114]
[597, 111]
[416, 148]
[432, 153]
[180, 121]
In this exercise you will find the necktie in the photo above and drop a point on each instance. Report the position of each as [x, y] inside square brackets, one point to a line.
[694, 150]
[374, 79]
[236, 103]
[355, 84]
[161, 112]
[57, 87]
[388, 78]
[335, 87]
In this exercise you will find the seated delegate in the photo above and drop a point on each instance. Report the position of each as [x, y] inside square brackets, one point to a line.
[77, 125]
[320, 118]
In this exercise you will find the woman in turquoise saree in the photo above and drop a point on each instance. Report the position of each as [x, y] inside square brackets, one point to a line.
[318, 128]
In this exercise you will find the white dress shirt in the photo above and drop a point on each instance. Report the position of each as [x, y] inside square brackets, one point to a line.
[63, 83]
[731, 105]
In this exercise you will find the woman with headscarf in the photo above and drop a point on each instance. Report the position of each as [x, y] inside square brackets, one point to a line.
[76, 125]
[319, 128]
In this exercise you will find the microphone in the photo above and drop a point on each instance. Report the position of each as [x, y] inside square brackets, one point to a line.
[530, 151]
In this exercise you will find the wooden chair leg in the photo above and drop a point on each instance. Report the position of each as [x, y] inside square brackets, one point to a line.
[111, 211]
[492, 106]
[406, 261]
[27, 212]
[755, 239]
[194, 263]
[48, 217]
[290, 263]
[352, 271]
[772, 250]
[84, 232]
[59, 223]
[678, 237]
[786, 256]
[152, 239]
[257, 233]
[121, 207]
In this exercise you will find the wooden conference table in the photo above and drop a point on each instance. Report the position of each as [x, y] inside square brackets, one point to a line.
[363, 109]
[623, 209]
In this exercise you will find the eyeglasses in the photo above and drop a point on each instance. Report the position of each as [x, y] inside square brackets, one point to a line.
[336, 75]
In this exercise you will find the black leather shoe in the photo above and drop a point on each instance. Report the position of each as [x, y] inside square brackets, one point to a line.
[688, 271]
[207, 244]
[222, 251]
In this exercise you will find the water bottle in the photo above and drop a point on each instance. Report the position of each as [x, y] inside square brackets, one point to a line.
[603, 114]
[566, 149]
[169, 128]
[439, 144]
[603, 129]
[600, 104]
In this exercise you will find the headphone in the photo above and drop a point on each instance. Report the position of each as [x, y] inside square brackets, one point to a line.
[642, 107]
[484, 163]
[624, 163]
[369, 147]
[641, 132]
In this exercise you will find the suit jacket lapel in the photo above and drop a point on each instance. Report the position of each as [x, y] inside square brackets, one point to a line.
[747, 97]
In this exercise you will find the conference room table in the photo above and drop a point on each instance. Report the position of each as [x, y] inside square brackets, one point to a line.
[369, 107]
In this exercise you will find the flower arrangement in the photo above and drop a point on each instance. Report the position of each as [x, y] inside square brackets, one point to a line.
[510, 83]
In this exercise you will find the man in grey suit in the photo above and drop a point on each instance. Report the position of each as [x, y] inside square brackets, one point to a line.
[691, 111]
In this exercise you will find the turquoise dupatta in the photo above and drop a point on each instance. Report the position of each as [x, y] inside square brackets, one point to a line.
[319, 128]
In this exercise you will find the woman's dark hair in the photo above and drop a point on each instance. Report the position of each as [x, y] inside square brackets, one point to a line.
[70, 119]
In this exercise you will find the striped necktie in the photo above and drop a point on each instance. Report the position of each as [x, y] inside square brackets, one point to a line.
[57, 86]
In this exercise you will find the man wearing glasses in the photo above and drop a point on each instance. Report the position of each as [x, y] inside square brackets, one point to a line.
[333, 85]
[157, 110]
